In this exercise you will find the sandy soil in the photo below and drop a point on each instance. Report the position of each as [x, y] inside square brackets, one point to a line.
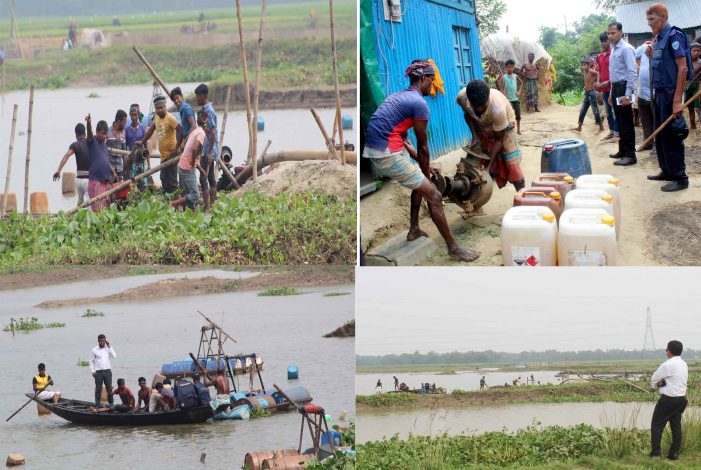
[321, 176]
[646, 238]
[291, 276]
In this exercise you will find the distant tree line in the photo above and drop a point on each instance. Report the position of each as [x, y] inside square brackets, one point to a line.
[496, 357]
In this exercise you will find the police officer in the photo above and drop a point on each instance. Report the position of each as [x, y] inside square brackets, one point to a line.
[671, 68]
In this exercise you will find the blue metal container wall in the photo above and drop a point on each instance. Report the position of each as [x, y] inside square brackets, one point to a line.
[426, 31]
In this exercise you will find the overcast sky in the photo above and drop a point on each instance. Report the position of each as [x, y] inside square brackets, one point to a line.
[446, 309]
[525, 17]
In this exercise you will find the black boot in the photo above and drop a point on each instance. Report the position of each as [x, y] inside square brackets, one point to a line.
[519, 185]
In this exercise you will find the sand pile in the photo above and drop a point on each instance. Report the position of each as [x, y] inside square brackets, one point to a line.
[321, 176]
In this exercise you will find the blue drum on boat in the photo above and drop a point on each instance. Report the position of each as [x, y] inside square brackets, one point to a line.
[565, 156]
[347, 121]
[292, 372]
[261, 123]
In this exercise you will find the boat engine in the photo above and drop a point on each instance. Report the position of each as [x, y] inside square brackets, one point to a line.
[471, 186]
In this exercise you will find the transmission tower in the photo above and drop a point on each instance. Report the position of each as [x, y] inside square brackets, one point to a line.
[649, 344]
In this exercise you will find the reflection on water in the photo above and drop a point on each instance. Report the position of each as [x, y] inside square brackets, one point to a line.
[374, 426]
[284, 330]
[57, 112]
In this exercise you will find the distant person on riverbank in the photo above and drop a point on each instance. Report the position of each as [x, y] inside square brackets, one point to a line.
[117, 139]
[591, 77]
[144, 394]
[210, 151]
[189, 163]
[391, 155]
[378, 386]
[511, 84]
[671, 380]
[170, 134]
[530, 71]
[483, 383]
[101, 172]
[100, 355]
[396, 383]
[79, 148]
[40, 382]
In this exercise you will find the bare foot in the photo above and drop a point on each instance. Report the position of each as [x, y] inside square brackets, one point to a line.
[462, 254]
[518, 132]
[415, 233]
[576, 129]
[601, 129]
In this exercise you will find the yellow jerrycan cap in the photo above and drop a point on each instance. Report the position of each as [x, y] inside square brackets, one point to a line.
[614, 181]
[608, 220]
[555, 195]
[607, 198]
[568, 179]
[549, 217]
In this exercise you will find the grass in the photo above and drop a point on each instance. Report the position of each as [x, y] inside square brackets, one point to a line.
[336, 294]
[252, 229]
[278, 291]
[569, 98]
[259, 413]
[142, 270]
[25, 325]
[385, 400]
[89, 313]
[82, 363]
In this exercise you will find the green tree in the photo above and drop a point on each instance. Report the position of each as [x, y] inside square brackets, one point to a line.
[489, 12]
[549, 36]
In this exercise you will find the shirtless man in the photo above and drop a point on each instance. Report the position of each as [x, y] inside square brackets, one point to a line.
[591, 77]
[530, 71]
[220, 384]
[144, 394]
[692, 86]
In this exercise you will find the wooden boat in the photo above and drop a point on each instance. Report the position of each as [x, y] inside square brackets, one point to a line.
[78, 412]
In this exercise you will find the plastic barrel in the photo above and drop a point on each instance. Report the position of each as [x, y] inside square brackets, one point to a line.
[261, 123]
[565, 156]
[292, 372]
[254, 460]
[347, 121]
[11, 201]
[290, 462]
[38, 203]
[68, 183]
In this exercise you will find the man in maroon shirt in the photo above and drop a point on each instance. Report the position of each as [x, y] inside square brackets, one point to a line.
[602, 66]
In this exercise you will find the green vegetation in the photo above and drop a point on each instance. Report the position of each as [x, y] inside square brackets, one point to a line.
[25, 325]
[336, 294]
[93, 95]
[251, 229]
[343, 461]
[142, 270]
[278, 291]
[259, 413]
[82, 363]
[92, 313]
[384, 400]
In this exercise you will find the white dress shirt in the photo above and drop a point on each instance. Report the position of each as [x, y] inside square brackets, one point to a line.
[622, 66]
[675, 372]
[100, 358]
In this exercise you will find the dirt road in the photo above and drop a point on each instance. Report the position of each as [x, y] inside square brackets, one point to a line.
[656, 228]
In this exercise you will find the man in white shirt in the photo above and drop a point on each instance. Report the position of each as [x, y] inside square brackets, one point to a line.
[101, 368]
[670, 379]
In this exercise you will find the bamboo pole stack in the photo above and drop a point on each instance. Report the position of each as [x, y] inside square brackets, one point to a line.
[9, 161]
[335, 78]
[29, 149]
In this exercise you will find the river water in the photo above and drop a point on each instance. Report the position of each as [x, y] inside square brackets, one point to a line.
[56, 112]
[462, 380]
[146, 334]
[378, 425]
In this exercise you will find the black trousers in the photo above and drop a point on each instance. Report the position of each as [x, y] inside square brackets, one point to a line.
[670, 149]
[645, 111]
[103, 376]
[667, 409]
[624, 118]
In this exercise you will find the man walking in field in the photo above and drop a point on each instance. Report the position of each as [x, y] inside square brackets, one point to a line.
[170, 135]
[671, 380]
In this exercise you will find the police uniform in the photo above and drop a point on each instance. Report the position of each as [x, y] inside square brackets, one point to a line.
[669, 44]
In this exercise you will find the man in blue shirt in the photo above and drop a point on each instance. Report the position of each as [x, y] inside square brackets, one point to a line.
[100, 169]
[671, 64]
[644, 96]
[187, 115]
[210, 151]
[622, 74]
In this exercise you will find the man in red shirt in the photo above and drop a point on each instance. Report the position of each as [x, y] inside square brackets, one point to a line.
[604, 86]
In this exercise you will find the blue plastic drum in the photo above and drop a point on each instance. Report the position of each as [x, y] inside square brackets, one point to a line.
[292, 372]
[565, 156]
[347, 121]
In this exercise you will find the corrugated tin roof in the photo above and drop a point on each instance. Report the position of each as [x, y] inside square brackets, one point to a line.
[682, 14]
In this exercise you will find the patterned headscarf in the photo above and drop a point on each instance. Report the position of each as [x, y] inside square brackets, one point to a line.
[419, 68]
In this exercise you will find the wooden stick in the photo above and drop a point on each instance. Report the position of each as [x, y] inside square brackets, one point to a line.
[151, 70]
[327, 140]
[671, 118]
[216, 326]
[29, 149]
[28, 401]
[335, 79]
[221, 141]
[124, 184]
[9, 161]
[199, 366]
[335, 129]
[256, 92]
[246, 91]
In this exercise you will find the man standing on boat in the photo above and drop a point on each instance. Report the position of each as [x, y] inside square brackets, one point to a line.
[101, 368]
[39, 384]
[220, 384]
[670, 379]
[79, 148]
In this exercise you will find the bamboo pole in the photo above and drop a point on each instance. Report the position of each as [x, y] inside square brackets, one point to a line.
[671, 118]
[151, 70]
[221, 140]
[246, 91]
[335, 129]
[329, 143]
[29, 149]
[335, 79]
[256, 92]
[9, 160]
[124, 184]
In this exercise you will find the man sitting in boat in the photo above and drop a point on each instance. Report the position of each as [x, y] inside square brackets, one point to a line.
[144, 394]
[219, 383]
[186, 394]
[39, 384]
[202, 392]
[168, 394]
[125, 394]
[156, 402]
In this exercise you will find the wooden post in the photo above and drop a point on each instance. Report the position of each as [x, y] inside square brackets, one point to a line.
[9, 160]
[327, 140]
[335, 79]
[256, 92]
[244, 65]
[151, 70]
[667, 121]
[29, 149]
[221, 141]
